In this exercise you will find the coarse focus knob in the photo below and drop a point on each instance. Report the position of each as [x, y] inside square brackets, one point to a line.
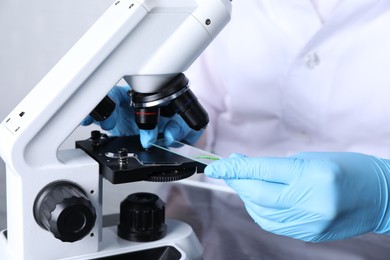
[64, 209]
[142, 218]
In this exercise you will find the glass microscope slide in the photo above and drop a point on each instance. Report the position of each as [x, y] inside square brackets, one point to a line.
[186, 150]
[194, 154]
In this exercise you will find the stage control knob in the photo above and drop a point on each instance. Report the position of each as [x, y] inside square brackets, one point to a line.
[64, 209]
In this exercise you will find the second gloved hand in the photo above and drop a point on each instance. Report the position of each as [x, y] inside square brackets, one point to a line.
[122, 122]
[312, 196]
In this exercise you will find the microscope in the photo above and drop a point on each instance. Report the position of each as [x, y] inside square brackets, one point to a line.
[54, 196]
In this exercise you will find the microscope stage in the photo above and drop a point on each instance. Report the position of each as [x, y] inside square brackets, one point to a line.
[123, 159]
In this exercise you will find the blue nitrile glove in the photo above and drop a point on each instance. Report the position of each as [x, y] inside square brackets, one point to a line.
[122, 122]
[315, 196]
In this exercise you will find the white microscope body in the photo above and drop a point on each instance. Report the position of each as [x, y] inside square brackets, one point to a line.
[147, 42]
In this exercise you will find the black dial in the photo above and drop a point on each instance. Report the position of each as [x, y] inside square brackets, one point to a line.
[142, 218]
[64, 209]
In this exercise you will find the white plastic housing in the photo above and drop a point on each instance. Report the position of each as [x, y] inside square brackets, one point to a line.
[145, 41]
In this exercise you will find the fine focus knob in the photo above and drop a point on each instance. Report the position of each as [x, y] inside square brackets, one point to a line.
[142, 218]
[64, 209]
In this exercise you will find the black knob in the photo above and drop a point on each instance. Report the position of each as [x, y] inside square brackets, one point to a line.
[142, 218]
[64, 209]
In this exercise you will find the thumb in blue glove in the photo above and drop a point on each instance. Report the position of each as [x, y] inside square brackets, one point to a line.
[312, 196]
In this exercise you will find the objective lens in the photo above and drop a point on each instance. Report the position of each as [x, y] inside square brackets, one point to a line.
[147, 118]
[188, 107]
[104, 109]
[173, 98]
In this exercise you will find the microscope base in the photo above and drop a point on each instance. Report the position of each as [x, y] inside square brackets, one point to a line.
[179, 243]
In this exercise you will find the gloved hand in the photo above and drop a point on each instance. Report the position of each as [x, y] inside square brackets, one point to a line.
[122, 122]
[315, 196]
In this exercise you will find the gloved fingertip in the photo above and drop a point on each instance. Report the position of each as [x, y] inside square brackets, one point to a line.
[237, 155]
[172, 131]
[148, 137]
[108, 123]
[226, 168]
[211, 172]
[215, 170]
[193, 136]
[87, 121]
[168, 137]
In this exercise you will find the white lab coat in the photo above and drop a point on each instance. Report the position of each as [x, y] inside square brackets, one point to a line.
[278, 81]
